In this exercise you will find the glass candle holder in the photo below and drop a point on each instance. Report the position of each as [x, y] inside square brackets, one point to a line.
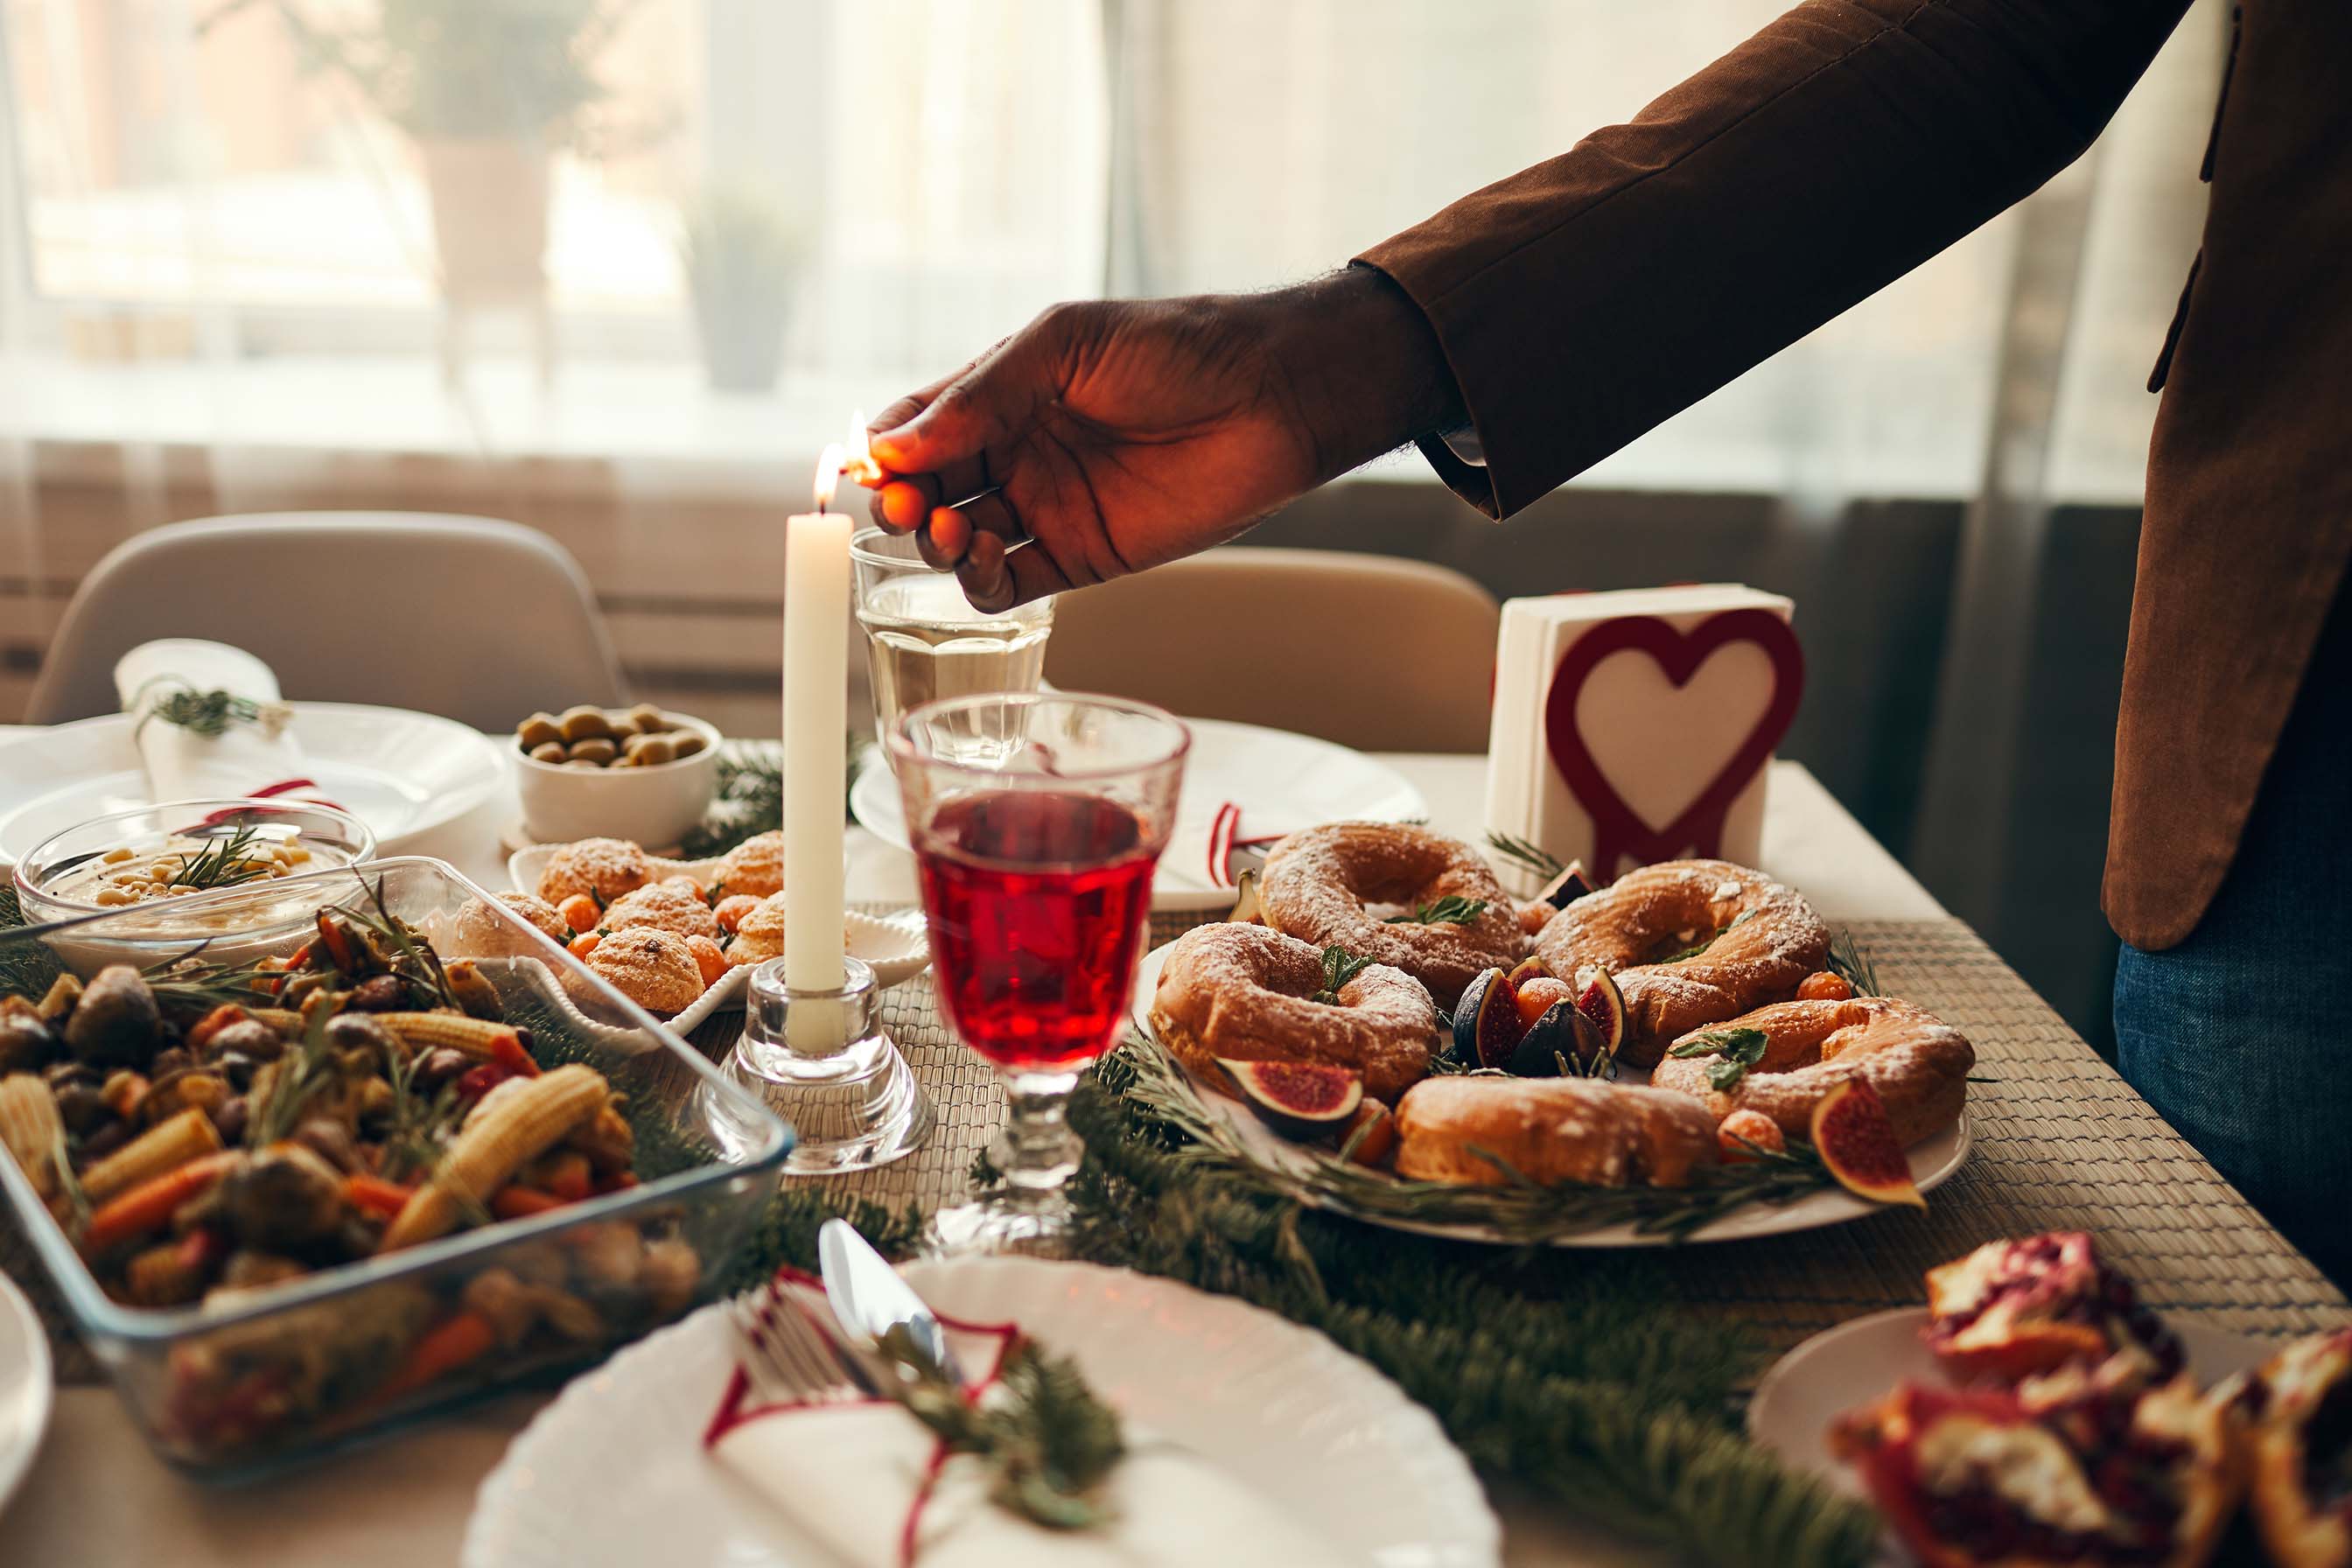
[821, 1060]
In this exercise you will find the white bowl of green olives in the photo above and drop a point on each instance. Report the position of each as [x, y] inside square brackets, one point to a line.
[641, 774]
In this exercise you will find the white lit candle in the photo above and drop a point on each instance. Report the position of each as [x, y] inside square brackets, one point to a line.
[815, 730]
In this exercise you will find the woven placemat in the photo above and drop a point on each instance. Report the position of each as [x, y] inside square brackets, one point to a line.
[2062, 1143]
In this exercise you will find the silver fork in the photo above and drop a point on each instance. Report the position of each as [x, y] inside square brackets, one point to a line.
[790, 1357]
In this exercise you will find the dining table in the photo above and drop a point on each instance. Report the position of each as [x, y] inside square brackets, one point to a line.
[2061, 1142]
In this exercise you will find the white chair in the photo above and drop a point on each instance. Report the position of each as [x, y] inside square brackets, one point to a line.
[1370, 651]
[474, 620]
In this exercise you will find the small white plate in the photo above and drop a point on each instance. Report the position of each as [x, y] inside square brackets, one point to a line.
[1856, 1362]
[25, 1387]
[409, 777]
[1282, 782]
[1368, 1470]
[1933, 1160]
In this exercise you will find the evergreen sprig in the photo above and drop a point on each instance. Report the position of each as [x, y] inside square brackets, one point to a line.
[1528, 853]
[1045, 1438]
[1453, 909]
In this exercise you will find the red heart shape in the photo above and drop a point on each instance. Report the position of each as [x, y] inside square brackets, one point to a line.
[1617, 831]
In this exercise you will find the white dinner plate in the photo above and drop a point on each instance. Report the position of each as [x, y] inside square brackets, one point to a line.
[1933, 1160]
[613, 1474]
[25, 1386]
[408, 775]
[1282, 782]
[1860, 1362]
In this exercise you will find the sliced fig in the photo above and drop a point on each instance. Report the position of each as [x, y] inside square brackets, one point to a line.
[1603, 1005]
[1487, 1023]
[1371, 1139]
[1561, 1037]
[1858, 1142]
[1528, 969]
[1297, 1099]
[1246, 904]
[1570, 885]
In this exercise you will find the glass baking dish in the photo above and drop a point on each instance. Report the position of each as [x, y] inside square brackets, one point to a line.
[225, 1392]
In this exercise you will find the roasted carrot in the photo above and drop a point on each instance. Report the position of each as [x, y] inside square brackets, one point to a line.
[375, 1195]
[509, 1051]
[213, 1023]
[515, 1201]
[152, 1204]
[569, 1177]
[462, 1337]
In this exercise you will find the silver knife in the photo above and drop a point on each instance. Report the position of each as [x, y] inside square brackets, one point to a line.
[875, 1307]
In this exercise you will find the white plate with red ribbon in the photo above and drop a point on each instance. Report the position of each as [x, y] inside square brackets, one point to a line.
[411, 777]
[1244, 788]
[615, 1472]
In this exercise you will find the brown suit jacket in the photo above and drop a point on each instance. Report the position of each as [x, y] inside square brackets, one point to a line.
[1582, 301]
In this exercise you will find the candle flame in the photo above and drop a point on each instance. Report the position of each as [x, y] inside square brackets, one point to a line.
[828, 476]
[860, 464]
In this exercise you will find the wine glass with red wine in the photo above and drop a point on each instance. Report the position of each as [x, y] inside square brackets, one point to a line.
[1037, 818]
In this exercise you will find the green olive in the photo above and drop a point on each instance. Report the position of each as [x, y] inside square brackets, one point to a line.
[549, 751]
[597, 748]
[537, 730]
[652, 751]
[687, 742]
[585, 724]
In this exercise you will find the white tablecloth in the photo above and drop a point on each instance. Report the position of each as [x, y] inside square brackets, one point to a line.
[96, 1497]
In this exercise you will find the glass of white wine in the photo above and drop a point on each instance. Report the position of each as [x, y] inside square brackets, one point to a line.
[925, 641]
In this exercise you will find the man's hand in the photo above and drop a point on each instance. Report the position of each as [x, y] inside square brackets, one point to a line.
[1121, 434]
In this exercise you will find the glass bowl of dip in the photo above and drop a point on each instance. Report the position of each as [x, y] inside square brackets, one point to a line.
[166, 868]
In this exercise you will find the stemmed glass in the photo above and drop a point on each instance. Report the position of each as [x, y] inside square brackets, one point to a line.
[1037, 818]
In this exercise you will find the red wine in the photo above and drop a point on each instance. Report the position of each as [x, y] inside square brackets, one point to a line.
[1037, 902]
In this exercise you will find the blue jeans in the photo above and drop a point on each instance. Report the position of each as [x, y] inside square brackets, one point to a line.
[2241, 1035]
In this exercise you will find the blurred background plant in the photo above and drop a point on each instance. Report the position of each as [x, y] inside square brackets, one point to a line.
[740, 253]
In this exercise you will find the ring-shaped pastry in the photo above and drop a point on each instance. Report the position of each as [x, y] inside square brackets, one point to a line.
[1247, 994]
[1919, 1064]
[1756, 939]
[1319, 882]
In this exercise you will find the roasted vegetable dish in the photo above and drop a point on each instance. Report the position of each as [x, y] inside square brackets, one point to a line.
[205, 1132]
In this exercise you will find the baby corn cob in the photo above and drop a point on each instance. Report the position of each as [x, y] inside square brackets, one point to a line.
[166, 1146]
[514, 1124]
[30, 1129]
[477, 1037]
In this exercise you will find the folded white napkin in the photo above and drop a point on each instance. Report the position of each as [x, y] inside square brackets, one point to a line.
[849, 1474]
[853, 1476]
[1212, 850]
[243, 758]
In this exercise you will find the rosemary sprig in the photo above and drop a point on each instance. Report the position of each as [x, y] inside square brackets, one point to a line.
[1850, 963]
[1340, 966]
[1520, 1212]
[297, 1077]
[207, 713]
[188, 983]
[1453, 909]
[411, 960]
[1047, 1440]
[69, 1184]
[1738, 1048]
[1525, 853]
[223, 864]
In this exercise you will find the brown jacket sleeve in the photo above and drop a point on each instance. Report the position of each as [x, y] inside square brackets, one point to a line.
[1587, 298]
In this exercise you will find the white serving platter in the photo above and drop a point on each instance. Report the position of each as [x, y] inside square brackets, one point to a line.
[409, 777]
[897, 947]
[1281, 781]
[1364, 1467]
[1933, 1162]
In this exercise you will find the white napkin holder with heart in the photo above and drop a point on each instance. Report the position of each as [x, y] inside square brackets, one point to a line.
[1637, 726]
